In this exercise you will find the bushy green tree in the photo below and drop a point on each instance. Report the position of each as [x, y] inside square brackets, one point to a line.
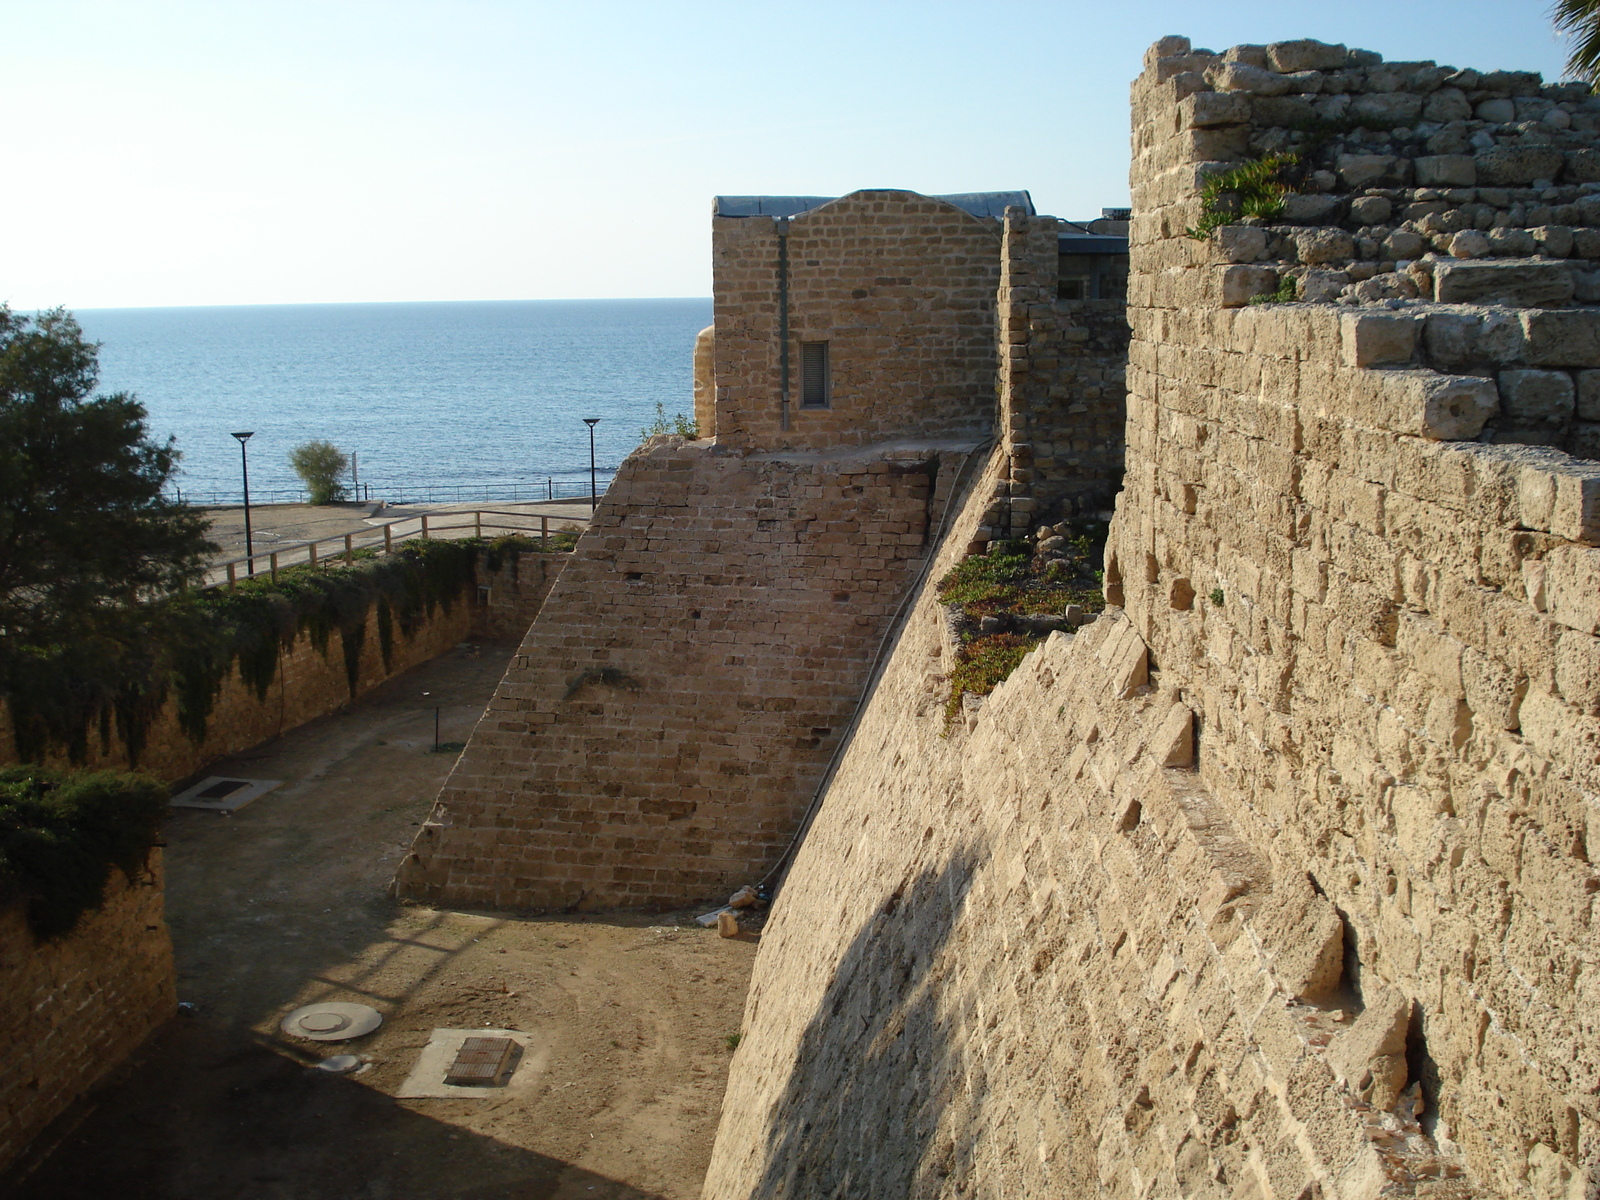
[321, 466]
[85, 528]
[1580, 20]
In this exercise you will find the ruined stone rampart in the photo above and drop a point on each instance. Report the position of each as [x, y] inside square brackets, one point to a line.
[665, 722]
[1276, 881]
[72, 1009]
[1060, 388]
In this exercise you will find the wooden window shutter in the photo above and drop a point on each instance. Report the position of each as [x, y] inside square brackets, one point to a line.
[814, 375]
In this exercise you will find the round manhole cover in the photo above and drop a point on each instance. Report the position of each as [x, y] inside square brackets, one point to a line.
[331, 1022]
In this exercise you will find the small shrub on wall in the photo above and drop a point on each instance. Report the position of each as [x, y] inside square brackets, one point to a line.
[63, 833]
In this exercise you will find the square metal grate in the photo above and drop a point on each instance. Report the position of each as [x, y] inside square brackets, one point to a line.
[480, 1062]
[221, 788]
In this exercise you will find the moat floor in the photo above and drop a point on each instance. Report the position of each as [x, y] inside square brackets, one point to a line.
[284, 904]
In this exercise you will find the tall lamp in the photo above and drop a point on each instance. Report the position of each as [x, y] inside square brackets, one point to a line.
[594, 491]
[244, 465]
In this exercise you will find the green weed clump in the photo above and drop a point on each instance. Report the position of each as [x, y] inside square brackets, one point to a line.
[983, 664]
[1006, 580]
[61, 835]
[1257, 188]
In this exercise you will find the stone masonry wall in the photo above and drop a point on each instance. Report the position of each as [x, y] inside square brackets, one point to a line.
[311, 683]
[1060, 387]
[1275, 881]
[900, 286]
[663, 726]
[72, 1009]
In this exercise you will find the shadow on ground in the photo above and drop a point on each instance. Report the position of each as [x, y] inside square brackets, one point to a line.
[295, 1134]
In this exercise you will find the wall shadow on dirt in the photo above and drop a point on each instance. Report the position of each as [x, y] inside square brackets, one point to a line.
[213, 1114]
[878, 1099]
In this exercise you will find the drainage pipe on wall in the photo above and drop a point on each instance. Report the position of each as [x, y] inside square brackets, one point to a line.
[783, 323]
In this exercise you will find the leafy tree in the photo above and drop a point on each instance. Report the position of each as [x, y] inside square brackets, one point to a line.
[321, 465]
[85, 529]
[1580, 20]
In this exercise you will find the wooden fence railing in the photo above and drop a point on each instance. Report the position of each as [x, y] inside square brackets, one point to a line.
[471, 523]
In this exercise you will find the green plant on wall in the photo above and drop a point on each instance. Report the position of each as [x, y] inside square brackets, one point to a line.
[684, 426]
[321, 467]
[60, 695]
[62, 833]
[1258, 188]
[1284, 293]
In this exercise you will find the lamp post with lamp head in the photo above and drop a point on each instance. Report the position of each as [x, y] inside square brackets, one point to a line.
[594, 491]
[244, 465]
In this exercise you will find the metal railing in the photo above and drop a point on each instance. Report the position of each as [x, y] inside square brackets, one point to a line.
[469, 523]
[411, 493]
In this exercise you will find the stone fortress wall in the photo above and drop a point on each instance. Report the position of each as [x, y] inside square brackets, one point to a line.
[663, 730]
[1276, 880]
[312, 683]
[72, 1009]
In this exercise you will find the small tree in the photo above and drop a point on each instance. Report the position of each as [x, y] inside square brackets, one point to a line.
[322, 466]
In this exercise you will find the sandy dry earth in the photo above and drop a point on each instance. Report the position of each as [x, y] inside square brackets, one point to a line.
[283, 904]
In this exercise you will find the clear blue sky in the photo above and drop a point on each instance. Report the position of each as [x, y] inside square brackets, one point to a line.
[223, 152]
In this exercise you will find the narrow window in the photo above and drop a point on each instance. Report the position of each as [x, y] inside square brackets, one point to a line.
[814, 389]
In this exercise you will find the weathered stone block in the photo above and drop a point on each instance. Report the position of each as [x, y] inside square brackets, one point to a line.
[1562, 338]
[1237, 77]
[1239, 283]
[1572, 587]
[1535, 397]
[1306, 55]
[1208, 110]
[1241, 243]
[1386, 110]
[1447, 170]
[1518, 165]
[1372, 339]
[1526, 282]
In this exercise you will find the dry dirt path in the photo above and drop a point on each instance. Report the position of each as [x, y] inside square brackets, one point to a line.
[284, 904]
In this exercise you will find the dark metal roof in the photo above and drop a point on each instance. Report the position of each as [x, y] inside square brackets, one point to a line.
[1092, 243]
[979, 204]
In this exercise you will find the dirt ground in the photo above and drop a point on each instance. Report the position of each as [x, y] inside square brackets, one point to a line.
[284, 904]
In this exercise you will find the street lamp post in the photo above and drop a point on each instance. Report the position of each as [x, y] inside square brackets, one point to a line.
[244, 466]
[594, 491]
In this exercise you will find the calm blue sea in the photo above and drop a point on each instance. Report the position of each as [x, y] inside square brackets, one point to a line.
[484, 397]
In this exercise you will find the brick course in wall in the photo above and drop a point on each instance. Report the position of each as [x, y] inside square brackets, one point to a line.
[1278, 880]
[72, 1009]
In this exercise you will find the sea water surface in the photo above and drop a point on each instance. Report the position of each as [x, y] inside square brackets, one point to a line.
[469, 400]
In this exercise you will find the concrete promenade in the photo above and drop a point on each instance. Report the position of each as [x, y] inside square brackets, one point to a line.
[287, 528]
